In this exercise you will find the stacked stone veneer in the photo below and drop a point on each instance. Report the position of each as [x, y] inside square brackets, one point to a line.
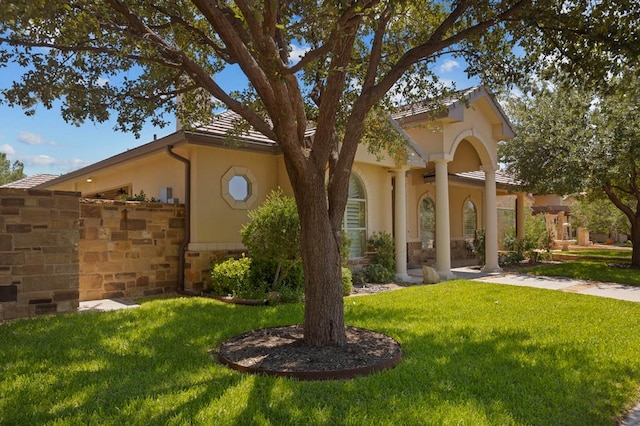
[197, 270]
[129, 249]
[39, 271]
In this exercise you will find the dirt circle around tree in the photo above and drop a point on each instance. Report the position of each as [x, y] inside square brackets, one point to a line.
[281, 351]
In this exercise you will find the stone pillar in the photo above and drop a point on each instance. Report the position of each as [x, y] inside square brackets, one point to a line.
[400, 226]
[520, 216]
[491, 222]
[443, 232]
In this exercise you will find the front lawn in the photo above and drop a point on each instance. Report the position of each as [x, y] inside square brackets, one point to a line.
[594, 270]
[474, 354]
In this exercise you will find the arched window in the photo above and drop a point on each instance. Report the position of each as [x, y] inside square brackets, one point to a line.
[427, 222]
[355, 217]
[470, 220]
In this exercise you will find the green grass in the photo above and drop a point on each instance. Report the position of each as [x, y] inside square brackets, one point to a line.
[600, 253]
[594, 270]
[474, 354]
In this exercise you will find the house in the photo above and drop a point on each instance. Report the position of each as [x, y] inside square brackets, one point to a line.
[445, 189]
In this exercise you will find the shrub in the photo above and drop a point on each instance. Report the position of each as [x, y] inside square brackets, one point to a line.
[478, 243]
[383, 245]
[273, 233]
[377, 273]
[347, 283]
[231, 277]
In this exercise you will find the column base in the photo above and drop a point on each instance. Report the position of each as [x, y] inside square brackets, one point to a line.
[446, 275]
[403, 277]
[491, 269]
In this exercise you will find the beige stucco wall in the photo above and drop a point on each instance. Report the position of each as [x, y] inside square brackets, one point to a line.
[148, 174]
[215, 223]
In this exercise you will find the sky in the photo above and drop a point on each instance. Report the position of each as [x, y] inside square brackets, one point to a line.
[45, 143]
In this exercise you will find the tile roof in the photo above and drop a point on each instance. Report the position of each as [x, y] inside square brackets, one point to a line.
[30, 181]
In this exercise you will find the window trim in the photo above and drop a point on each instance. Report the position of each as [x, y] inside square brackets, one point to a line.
[252, 196]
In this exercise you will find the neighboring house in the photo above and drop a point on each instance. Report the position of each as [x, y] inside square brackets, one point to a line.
[444, 190]
[557, 214]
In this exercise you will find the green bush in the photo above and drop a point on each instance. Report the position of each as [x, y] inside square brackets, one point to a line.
[383, 245]
[290, 286]
[273, 233]
[377, 273]
[230, 277]
[359, 278]
[347, 283]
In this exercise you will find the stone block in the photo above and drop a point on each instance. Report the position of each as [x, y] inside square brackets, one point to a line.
[90, 211]
[35, 239]
[430, 275]
[47, 282]
[9, 211]
[70, 203]
[6, 242]
[115, 286]
[46, 308]
[142, 281]
[18, 228]
[133, 224]
[34, 269]
[66, 295]
[119, 235]
[35, 215]
[8, 293]
[12, 258]
[12, 202]
[39, 301]
[176, 223]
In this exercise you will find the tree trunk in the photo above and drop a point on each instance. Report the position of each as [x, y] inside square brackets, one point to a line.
[320, 249]
[635, 243]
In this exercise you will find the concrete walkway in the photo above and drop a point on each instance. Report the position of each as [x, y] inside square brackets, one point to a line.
[106, 305]
[610, 290]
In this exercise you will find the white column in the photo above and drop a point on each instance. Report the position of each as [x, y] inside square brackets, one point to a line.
[443, 233]
[491, 222]
[400, 226]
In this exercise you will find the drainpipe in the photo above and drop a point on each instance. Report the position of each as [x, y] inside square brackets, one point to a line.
[187, 215]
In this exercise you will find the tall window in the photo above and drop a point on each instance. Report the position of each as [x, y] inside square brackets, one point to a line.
[355, 217]
[427, 222]
[470, 218]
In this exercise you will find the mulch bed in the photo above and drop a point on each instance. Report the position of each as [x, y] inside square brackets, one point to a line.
[281, 351]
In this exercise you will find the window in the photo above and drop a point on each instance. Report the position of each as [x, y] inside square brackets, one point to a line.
[427, 222]
[355, 218]
[239, 188]
[470, 220]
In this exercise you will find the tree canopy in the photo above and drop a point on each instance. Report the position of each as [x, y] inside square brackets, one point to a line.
[573, 140]
[10, 172]
[359, 59]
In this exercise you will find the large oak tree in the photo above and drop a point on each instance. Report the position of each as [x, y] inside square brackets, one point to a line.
[135, 57]
[576, 140]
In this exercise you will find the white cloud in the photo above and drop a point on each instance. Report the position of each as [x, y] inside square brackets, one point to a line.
[33, 139]
[297, 52]
[102, 81]
[41, 160]
[7, 149]
[449, 65]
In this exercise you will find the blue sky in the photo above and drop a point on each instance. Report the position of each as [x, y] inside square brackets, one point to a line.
[45, 143]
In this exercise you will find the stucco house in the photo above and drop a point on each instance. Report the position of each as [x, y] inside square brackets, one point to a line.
[445, 188]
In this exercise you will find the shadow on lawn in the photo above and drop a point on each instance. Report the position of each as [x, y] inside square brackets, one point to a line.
[142, 365]
[151, 366]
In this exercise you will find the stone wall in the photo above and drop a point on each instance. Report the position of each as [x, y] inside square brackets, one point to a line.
[129, 249]
[197, 269]
[38, 252]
